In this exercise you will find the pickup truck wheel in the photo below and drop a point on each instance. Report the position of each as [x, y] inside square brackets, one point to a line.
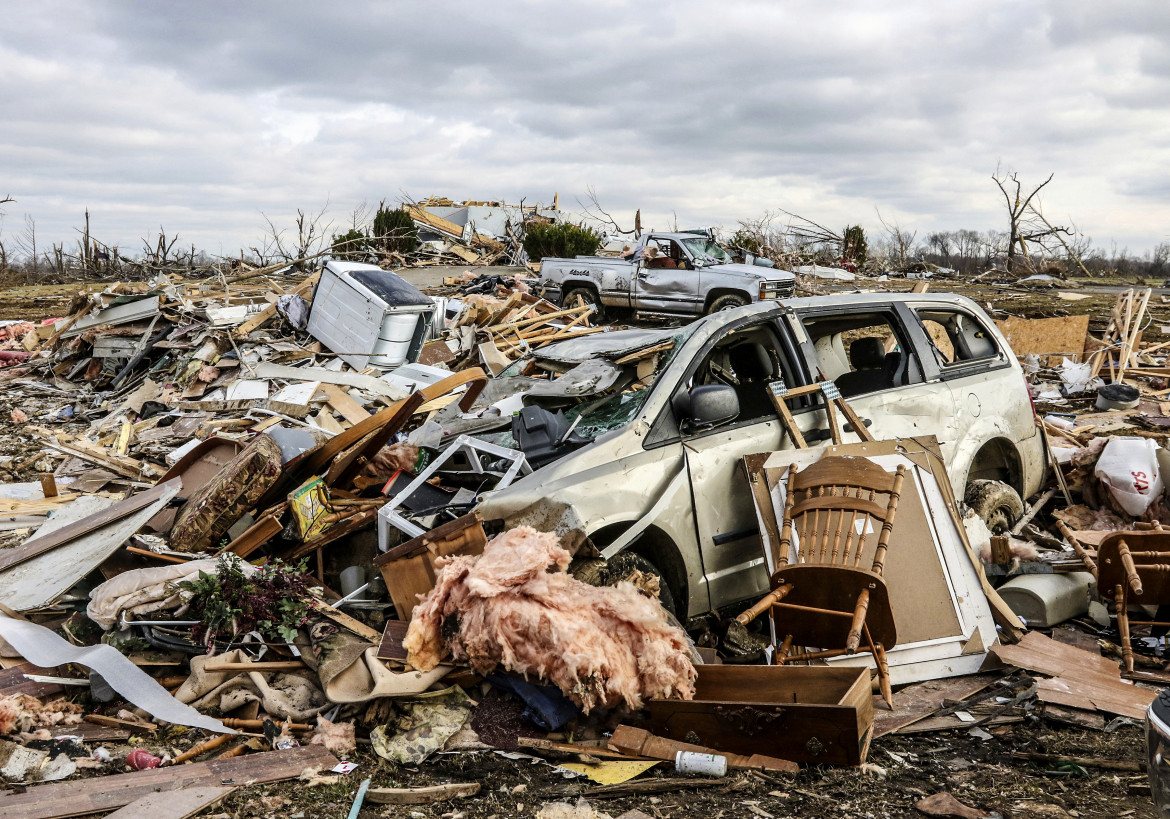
[623, 566]
[728, 302]
[997, 503]
[587, 295]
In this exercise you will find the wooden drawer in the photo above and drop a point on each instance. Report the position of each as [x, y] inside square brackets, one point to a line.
[811, 714]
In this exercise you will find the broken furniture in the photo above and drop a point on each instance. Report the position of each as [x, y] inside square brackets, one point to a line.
[410, 570]
[806, 714]
[780, 395]
[945, 610]
[1137, 564]
[821, 595]
[466, 453]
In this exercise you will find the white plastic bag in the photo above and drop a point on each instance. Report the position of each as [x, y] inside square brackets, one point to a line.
[1128, 467]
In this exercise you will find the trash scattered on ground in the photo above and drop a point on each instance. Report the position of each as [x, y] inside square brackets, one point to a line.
[346, 530]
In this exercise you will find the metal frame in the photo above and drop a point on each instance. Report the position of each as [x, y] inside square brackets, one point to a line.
[389, 515]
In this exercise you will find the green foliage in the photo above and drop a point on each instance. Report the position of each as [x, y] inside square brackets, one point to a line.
[351, 246]
[273, 600]
[746, 241]
[855, 248]
[559, 239]
[395, 230]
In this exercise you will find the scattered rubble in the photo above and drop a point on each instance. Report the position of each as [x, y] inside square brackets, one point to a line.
[259, 529]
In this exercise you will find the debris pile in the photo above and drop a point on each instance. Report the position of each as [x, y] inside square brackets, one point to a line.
[363, 528]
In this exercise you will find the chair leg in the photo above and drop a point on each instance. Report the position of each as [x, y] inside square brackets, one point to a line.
[883, 669]
[859, 612]
[1121, 605]
[783, 651]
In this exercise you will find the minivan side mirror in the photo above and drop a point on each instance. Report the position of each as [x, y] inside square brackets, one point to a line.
[705, 407]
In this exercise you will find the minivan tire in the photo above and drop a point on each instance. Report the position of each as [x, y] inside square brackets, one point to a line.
[996, 503]
[598, 572]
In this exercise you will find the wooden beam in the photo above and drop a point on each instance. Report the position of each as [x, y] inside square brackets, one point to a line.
[65, 534]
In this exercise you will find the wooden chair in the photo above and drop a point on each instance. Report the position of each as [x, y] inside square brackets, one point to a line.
[822, 597]
[1138, 564]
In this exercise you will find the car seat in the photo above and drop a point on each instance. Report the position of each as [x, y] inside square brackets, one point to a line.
[868, 356]
[753, 368]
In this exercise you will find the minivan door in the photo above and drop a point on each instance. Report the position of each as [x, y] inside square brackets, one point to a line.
[870, 354]
[747, 359]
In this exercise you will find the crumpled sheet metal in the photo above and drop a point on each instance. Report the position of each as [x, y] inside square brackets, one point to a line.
[45, 648]
[211, 511]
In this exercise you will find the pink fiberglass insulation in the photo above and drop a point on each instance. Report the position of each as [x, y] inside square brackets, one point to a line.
[515, 606]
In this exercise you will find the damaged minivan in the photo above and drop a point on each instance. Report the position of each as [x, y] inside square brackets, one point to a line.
[639, 444]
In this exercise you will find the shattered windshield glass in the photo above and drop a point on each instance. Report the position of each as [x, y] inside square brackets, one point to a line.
[707, 250]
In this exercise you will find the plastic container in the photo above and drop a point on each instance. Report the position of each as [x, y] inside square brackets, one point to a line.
[693, 762]
[1047, 599]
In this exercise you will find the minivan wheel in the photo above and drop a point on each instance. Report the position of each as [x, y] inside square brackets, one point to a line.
[588, 296]
[996, 503]
[597, 572]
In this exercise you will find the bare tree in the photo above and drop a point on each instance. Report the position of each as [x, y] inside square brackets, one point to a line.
[899, 241]
[1023, 225]
[310, 238]
[27, 242]
[594, 211]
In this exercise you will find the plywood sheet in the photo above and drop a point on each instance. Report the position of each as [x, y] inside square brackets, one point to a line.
[1052, 336]
[1079, 679]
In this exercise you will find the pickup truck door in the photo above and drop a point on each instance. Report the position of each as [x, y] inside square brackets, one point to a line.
[668, 289]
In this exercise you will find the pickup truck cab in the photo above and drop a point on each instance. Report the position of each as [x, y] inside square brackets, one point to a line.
[667, 274]
[665, 461]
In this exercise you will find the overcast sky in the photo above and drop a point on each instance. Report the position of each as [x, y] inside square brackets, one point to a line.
[202, 116]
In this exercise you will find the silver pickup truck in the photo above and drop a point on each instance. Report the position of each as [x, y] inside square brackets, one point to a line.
[671, 274]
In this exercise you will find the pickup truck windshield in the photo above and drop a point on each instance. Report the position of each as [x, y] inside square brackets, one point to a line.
[707, 251]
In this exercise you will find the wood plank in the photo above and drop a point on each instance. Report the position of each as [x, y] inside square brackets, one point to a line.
[39, 545]
[918, 701]
[14, 681]
[105, 793]
[639, 742]
[347, 407]
[423, 795]
[181, 804]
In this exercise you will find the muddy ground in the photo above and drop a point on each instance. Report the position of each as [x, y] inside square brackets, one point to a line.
[902, 770]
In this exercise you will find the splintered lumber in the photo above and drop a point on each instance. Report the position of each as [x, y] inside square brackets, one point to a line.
[1079, 679]
[180, 804]
[65, 534]
[105, 793]
[921, 700]
[421, 796]
[665, 785]
[1082, 761]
